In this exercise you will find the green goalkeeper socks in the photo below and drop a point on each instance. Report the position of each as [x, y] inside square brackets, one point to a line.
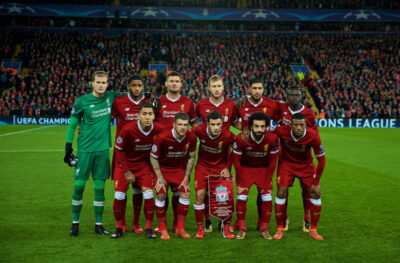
[98, 200]
[79, 187]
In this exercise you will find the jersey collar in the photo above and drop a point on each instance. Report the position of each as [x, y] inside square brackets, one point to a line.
[135, 101]
[255, 105]
[175, 100]
[173, 135]
[293, 112]
[254, 139]
[216, 105]
[294, 138]
[142, 131]
[209, 135]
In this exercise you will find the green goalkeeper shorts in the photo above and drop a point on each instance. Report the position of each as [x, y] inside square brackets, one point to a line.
[96, 162]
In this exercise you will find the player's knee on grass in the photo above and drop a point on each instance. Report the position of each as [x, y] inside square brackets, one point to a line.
[79, 187]
[120, 195]
[282, 192]
[200, 196]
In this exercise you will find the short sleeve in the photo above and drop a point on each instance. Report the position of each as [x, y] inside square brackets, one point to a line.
[317, 146]
[274, 148]
[237, 145]
[192, 113]
[120, 142]
[193, 144]
[156, 148]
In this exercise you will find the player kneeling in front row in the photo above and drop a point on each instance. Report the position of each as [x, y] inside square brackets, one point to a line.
[213, 159]
[296, 161]
[133, 166]
[172, 158]
[255, 163]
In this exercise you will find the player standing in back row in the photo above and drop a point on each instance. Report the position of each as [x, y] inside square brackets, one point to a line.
[286, 111]
[227, 108]
[296, 161]
[170, 104]
[126, 109]
[92, 112]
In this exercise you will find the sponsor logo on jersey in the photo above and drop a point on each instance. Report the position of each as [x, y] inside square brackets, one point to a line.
[119, 139]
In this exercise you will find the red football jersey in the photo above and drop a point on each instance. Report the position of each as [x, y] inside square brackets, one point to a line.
[268, 106]
[299, 150]
[256, 153]
[286, 114]
[213, 152]
[172, 152]
[226, 107]
[136, 144]
[169, 108]
[125, 109]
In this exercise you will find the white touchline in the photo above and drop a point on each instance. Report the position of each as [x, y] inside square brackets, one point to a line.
[28, 151]
[28, 130]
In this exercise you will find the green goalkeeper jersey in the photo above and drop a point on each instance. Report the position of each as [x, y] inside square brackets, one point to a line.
[94, 116]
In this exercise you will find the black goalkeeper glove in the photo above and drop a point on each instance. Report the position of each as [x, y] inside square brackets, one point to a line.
[69, 157]
[156, 103]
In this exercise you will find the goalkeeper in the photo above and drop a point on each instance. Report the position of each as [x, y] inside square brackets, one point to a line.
[92, 112]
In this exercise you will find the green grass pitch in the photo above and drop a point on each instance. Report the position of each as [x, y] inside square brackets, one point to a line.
[359, 221]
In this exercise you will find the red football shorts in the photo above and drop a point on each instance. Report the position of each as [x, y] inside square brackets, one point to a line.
[201, 179]
[287, 172]
[254, 175]
[143, 178]
[174, 178]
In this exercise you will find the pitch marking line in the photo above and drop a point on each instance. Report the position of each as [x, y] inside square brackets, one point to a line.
[28, 130]
[29, 151]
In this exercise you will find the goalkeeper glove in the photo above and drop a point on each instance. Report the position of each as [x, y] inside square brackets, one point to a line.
[69, 157]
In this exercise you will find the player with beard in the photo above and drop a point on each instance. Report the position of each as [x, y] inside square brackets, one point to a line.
[227, 108]
[287, 110]
[172, 158]
[126, 109]
[256, 102]
[133, 146]
[169, 105]
[255, 163]
[213, 159]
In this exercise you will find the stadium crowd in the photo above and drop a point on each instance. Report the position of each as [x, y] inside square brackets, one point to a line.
[360, 76]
